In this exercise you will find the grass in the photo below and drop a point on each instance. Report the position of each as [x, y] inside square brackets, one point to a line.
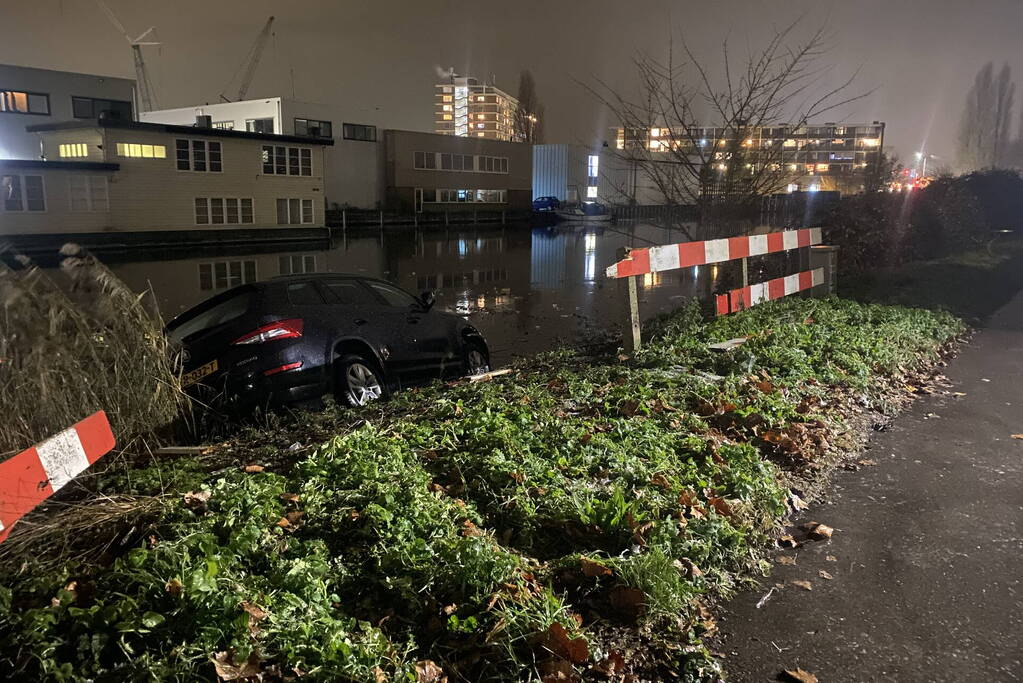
[74, 347]
[534, 526]
[972, 284]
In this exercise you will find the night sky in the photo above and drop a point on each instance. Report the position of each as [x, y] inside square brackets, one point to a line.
[377, 60]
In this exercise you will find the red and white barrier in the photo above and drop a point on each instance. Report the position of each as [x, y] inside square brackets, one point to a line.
[686, 254]
[34, 475]
[744, 297]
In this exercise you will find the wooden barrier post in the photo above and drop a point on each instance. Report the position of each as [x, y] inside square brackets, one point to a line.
[630, 323]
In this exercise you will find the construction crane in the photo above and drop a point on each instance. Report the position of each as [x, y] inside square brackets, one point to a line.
[146, 97]
[249, 64]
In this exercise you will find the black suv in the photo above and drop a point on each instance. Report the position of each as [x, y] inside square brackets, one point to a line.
[296, 338]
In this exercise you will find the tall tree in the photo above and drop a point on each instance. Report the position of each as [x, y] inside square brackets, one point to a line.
[721, 164]
[984, 130]
[529, 115]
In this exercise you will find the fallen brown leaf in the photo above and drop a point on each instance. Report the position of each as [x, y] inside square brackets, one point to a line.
[866, 462]
[721, 505]
[591, 568]
[818, 531]
[825, 575]
[788, 541]
[798, 676]
[290, 497]
[629, 602]
[574, 650]
[254, 469]
[228, 670]
[378, 675]
[611, 666]
[1018, 437]
[786, 559]
[174, 587]
[805, 585]
[196, 500]
[660, 480]
[687, 567]
[427, 671]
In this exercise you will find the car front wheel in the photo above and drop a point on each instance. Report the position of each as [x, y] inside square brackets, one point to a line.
[359, 381]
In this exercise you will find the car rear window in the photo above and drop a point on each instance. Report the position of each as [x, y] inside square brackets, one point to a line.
[213, 315]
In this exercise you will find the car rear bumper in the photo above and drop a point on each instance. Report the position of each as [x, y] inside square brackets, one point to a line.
[236, 390]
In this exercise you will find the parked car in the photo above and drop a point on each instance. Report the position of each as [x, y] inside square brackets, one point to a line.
[295, 338]
[546, 204]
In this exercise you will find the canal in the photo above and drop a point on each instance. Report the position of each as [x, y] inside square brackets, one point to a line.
[528, 289]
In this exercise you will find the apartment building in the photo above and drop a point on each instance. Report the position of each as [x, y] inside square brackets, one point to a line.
[109, 176]
[467, 108]
[31, 96]
[354, 163]
[815, 157]
[436, 172]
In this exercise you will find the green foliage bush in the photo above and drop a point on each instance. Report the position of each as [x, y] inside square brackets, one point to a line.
[453, 525]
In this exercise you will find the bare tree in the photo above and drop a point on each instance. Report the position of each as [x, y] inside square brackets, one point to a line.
[529, 116]
[729, 159]
[984, 130]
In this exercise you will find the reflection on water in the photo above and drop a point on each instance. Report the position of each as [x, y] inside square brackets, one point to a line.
[527, 289]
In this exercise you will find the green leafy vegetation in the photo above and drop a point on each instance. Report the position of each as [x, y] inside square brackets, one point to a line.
[526, 527]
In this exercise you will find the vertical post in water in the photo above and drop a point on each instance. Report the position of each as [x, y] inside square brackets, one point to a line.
[630, 322]
[344, 219]
[381, 219]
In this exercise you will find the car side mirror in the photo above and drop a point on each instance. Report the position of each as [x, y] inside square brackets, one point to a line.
[428, 298]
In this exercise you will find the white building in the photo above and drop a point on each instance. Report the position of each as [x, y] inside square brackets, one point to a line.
[108, 181]
[467, 108]
[354, 165]
[575, 173]
[33, 96]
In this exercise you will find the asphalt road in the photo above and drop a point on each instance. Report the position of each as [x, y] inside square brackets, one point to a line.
[927, 556]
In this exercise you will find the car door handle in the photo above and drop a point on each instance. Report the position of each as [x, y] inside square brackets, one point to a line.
[360, 321]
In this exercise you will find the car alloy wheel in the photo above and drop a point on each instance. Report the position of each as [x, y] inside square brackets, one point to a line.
[477, 362]
[363, 384]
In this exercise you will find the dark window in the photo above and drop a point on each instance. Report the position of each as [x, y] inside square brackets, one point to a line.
[355, 131]
[313, 128]
[392, 295]
[94, 108]
[10, 187]
[260, 126]
[215, 165]
[181, 151]
[445, 162]
[307, 162]
[268, 159]
[304, 294]
[350, 293]
[293, 161]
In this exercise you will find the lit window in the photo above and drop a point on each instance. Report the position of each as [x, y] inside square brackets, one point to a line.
[870, 142]
[655, 132]
[131, 149]
[448, 117]
[822, 167]
[446, 107]
[16, 102]
[446, 98]
[74, 149]
[593, 166]
[789, 143]
[791, 187]
[591, 192]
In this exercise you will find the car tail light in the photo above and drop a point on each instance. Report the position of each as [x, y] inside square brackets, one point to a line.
[281, 329]
[283, 368]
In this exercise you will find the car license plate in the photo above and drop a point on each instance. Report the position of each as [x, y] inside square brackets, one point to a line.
[193, 376]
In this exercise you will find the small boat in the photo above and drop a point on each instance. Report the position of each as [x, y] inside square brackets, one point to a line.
[587, 212]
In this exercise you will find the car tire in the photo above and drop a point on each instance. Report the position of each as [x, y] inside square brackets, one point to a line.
[359, 381]
[477, 359]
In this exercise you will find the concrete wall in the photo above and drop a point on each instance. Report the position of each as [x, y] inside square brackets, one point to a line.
[151, 194]
[402, 177]
[15, 142]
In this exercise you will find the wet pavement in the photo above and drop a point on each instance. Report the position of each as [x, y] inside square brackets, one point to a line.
[927, 556]
[528, 289]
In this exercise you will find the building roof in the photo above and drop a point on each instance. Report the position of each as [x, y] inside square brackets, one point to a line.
[39, 164]
[176, 130]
